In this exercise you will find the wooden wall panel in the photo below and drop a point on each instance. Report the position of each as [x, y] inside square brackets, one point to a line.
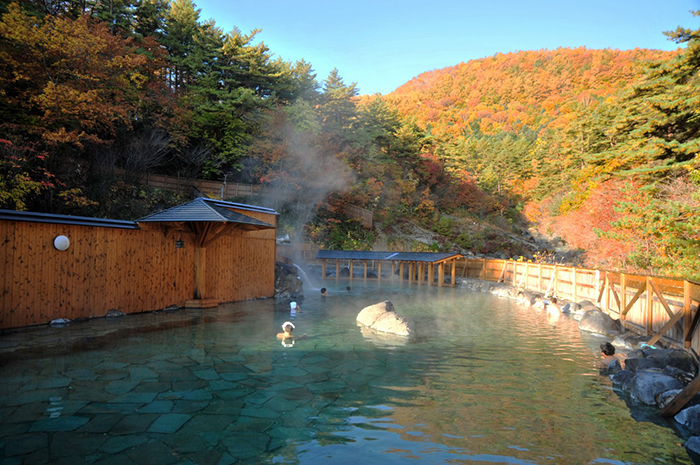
[130, 270]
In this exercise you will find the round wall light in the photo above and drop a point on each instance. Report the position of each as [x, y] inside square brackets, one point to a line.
[61, 243]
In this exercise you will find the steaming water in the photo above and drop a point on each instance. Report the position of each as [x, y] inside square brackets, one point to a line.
[485, 382]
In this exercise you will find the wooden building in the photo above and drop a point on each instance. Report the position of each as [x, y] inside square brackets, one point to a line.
[198, 254]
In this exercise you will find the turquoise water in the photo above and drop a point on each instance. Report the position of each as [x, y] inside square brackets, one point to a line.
[484, 381]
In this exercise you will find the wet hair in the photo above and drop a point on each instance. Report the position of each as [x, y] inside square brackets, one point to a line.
[347, 288]
[607, 349]
[323, 290]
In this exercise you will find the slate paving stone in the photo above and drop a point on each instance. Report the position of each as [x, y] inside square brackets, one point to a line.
[109, 366]
[291, 372]
[188, 406]
[259, 412]
[207, 423]
[25, 413]
[220, 385]
[260, 397]
[169, 423]
[101, 423]
[233, 394]
[32, 397]
[53, 382]
[120, 459]
[209, 374]
[299, 394]
[188, 385]
[135, 397]
[284, 385]
[82, 374]
[206, 457]
[12, 429]
[70, 444]
[116, 444]
[132, 424]
[245, 445]
[153, 453]
[185, 443]
[25, 443]
[262, 367]
[286, 433]
[157, 406]
[114, 375]
[121, 386]
[153, 386]
[106, 407]
[235, 376]
[142, 373]
[59, 424]
[282, 405]
[250, 424]
[219, 407]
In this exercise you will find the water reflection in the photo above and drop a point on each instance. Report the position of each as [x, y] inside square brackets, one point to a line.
[483, 381]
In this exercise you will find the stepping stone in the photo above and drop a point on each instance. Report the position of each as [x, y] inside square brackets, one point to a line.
[25, 443]
[132, 424]
[121, 386]
[245, 445]
[101, 423]
[142, 373]
[327, 386]
[208, 375]
[233, 376]
[157, 406]
[153, 453]
[116, 444]
[135, 397]
[75, 444]
[59, 424]
[169, 423]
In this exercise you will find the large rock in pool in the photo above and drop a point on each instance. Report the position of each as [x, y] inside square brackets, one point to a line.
[646, 385]
[595, 321]
[382, 318]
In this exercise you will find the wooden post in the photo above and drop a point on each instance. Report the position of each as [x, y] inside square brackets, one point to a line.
[200, 273]
[323, 269]
[419, 267]
[337, 268]
[379, 270]
[352, 263]
[431, 274]
[441, 274]
[401, 271]
[650, 307]
[365, 269]
[623, 292]
[688, 316]
[454, 263]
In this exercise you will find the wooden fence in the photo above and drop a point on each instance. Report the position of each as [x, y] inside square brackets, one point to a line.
[215, 189]
[662, 308]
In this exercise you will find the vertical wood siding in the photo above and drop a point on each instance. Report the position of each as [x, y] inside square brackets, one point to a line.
[127, 269]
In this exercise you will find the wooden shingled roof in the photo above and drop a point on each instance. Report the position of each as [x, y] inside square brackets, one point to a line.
[209, 210]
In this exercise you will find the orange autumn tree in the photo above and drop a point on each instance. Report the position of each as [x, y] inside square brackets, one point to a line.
[67, 89]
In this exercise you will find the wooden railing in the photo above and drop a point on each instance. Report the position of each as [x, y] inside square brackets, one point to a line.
[662, 308]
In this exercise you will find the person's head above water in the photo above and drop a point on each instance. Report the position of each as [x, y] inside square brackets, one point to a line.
[288, 327]
[607, 349]
[323, 291]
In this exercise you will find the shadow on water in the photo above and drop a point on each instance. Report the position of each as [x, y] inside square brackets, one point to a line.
[483, 381]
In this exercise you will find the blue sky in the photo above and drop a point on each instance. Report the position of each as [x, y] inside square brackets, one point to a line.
[382, 44]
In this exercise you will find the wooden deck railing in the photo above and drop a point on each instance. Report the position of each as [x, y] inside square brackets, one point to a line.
[663, 308]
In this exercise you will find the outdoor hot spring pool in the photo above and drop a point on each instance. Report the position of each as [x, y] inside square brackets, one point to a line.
[486, 382]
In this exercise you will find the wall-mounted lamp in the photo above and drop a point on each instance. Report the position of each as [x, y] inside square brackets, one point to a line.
[179, 244]
[61, 243]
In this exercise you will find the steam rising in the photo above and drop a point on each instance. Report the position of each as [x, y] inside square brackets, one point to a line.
[303, 178]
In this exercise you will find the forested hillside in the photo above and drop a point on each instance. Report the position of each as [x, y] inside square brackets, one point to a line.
[598, 147]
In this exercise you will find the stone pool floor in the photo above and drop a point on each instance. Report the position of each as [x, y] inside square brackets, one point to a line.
[207, 405]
